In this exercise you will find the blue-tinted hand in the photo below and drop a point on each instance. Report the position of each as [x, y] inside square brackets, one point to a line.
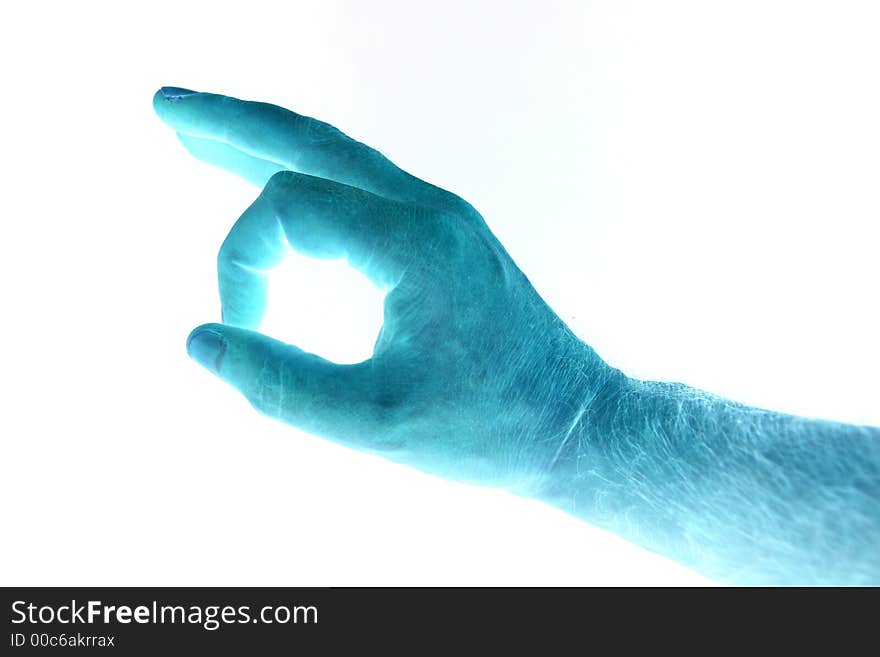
[473, 377]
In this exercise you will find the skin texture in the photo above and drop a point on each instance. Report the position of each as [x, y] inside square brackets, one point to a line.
[474, 378]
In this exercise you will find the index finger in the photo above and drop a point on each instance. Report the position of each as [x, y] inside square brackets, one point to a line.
[299, 143]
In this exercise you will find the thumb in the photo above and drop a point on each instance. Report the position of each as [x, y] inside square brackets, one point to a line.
[335, 401]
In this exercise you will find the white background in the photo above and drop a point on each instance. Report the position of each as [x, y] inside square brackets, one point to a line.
[692, 186]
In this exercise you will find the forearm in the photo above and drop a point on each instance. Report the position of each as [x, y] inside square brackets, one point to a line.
[740, 494]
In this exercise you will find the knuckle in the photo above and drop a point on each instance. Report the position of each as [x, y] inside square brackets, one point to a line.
[229, 252]
[279, 182]
[286, 187]
[266, 391]
[233, 252]
[318, 133]
[447, 237]
[287, 192]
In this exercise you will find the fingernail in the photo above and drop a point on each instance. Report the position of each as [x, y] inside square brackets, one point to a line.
[207, 347]
[176, 93]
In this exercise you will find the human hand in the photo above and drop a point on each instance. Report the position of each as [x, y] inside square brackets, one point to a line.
[473, 377]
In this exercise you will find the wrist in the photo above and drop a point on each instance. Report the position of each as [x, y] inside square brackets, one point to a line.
[587, 392]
